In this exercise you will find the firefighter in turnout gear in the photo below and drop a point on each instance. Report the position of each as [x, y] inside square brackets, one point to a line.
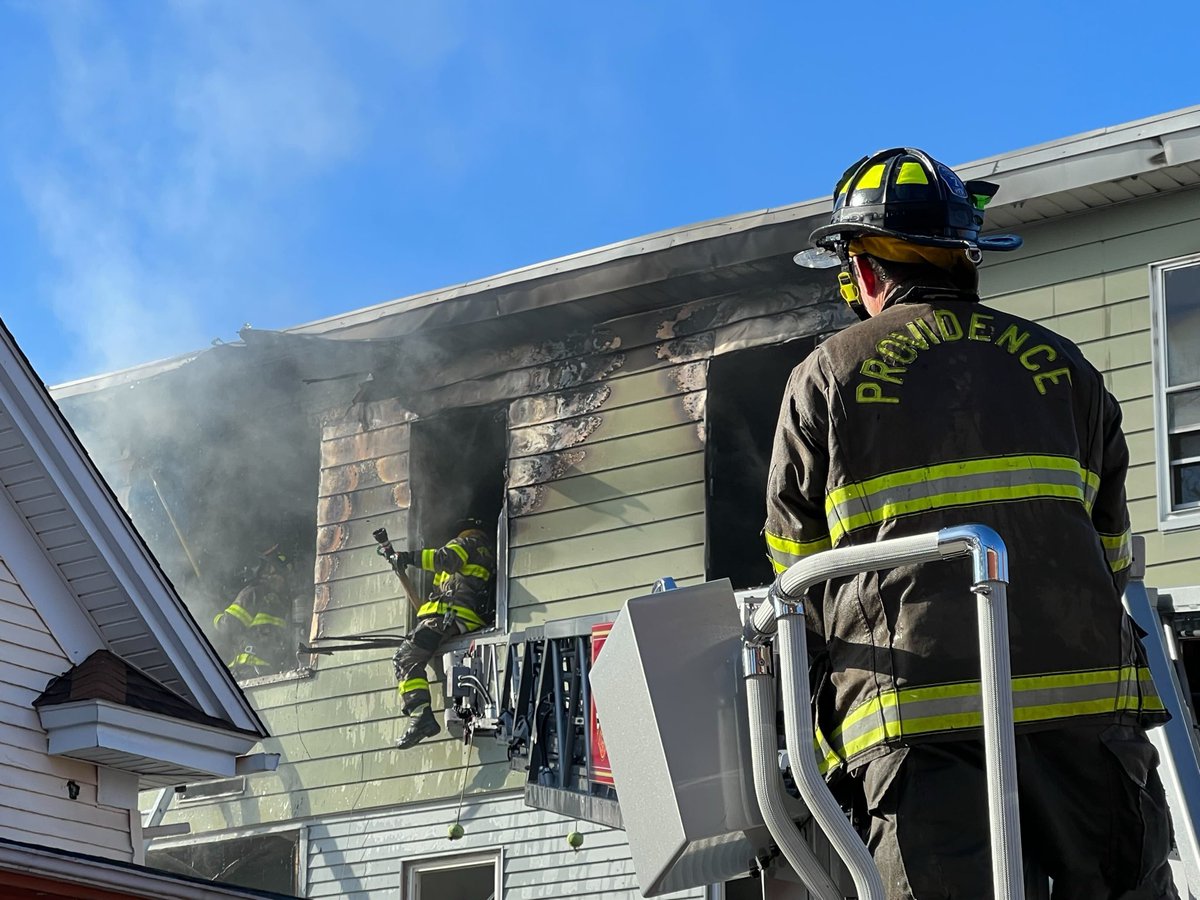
[935, 411]
[459, 603]
[255, 629]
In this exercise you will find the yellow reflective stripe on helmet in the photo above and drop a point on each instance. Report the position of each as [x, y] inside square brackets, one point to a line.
[413, 684]
[1118, 549]
[871, 179]
[473, 571]
[939, 708]
[962, 483]
[233, 609]
[427, 560]
[912, 173]
[785, 552]
[267, 619]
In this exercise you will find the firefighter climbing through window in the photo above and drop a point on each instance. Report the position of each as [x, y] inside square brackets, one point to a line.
[255, 630]
[460, 602]
[937, 411]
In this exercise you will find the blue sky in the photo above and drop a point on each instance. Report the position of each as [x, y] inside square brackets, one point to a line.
[172, 170]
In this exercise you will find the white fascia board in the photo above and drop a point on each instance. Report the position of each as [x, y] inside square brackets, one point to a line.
[84, 725]
[142, 581]
[128, 880]
[1080, 160]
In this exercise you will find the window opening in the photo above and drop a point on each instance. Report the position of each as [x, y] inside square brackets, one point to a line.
[745, 390]
[231, 515]
[264, 862]
[464, 878]
[458, 461]
[1177, 370]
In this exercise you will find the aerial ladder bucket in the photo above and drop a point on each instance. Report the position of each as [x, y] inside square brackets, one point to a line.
[686, 695]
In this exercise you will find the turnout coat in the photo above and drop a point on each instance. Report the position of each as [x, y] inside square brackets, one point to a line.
[940, 411]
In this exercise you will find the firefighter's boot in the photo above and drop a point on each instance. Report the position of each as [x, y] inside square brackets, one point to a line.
[423, 726]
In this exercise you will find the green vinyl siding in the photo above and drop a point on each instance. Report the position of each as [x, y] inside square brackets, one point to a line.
[1087, 277]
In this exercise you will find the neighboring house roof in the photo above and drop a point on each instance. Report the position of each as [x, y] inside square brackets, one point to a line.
[1100, 168]
[120, 600]
[30, 871]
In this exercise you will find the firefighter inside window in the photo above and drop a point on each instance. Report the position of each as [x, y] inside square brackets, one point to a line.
[255, 634]
[462, 601]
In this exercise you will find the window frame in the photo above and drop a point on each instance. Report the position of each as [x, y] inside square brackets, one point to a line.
[1170, 516]
[237, 834]
[411, 868]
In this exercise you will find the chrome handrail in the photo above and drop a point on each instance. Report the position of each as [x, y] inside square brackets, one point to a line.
[782, 618]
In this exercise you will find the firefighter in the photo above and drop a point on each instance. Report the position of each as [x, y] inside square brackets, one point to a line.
[256, 627]
[935, 411]
[459, 603]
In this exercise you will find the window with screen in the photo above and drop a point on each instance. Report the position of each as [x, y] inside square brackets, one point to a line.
[1176, 322]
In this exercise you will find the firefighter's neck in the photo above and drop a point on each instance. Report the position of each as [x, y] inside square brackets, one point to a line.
[872, 287]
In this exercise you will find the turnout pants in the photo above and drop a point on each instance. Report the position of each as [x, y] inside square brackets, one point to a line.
[1093, 816]
[410, 661]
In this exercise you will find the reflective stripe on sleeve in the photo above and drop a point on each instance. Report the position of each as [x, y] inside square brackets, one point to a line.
[785, 552]
[473, 571]
[1118, 549]
[237, 612]
[970, 482]
[267, 619]
[427, 560]
[459, 550]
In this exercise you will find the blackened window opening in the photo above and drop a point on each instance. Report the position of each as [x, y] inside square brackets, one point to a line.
[218, 463]
[745, 390]
[457, 466]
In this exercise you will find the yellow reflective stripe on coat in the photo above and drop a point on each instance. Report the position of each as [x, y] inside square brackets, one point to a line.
[473, 571]
[248, 659]
[427, 560]
[785, 552]
[910, 712]
[459, 550]
[968, 482]
[465, 614]
[1118, 549]
[267, 619]
[237, 612]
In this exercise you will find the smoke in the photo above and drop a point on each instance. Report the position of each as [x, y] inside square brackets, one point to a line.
[170, 141]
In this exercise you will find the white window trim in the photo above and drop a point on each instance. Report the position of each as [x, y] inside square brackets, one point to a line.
[412, 867]
[1168, 519]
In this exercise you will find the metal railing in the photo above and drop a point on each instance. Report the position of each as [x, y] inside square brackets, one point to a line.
[782, 619]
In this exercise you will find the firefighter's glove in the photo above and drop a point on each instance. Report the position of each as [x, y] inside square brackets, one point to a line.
[398, 558]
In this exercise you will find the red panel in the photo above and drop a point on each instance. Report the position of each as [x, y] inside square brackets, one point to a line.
[599, 770]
